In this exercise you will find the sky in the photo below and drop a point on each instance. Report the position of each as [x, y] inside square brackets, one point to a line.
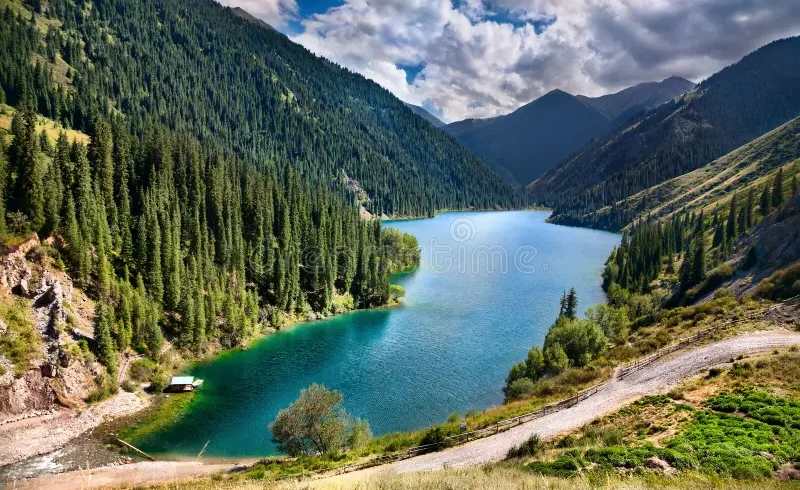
[472, 58]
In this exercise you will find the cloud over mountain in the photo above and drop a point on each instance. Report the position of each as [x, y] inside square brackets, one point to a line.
[468, 58]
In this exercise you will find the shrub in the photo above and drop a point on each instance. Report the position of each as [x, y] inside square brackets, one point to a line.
[360, 434]
[158, 382]
[129, 386]
[435, 436]
[581, 340]
[781, 284]
[532, 447]
[105, 387]
[520, 389]
[565, 466]
[21, 340]
[141, 369]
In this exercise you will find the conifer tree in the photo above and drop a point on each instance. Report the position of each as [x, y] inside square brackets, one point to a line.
[699, 260]
[571, 310]
[731, 231]
[28, 167]
[103, 319]
[3, 180]
[765, 202]
[777, 189]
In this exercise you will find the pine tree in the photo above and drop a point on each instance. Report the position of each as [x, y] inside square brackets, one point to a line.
[731, 232]
[103, 320]
[153, 336]
[777, 190]
[699, 259]
[750, 203]
[571, 310]
[765, 203]
[26, 164]
[3, 180]
[794, 185]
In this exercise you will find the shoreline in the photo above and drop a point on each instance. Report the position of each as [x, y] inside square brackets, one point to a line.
[48, 435]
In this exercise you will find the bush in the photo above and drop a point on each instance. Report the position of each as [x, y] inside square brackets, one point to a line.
[21, 340]
[532, 447]
[520, 389]
[158, 382]
[129, 386]
[435, 436]
[105, 387]
[581, 340]
[782, 284]
[141, 369]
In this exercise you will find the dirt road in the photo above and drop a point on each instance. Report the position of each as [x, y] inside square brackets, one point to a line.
[656, 378]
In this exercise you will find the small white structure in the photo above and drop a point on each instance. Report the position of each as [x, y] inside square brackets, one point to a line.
[183, 383]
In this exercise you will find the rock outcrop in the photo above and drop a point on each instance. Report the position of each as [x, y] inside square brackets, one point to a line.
[60, 375]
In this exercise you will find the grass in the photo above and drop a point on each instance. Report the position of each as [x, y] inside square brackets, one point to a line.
[495, 477]
[20, 343]
[739, 422]
[52, 128]
[162, 413]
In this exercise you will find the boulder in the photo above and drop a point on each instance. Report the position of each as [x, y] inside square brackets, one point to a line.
[658, 464]
[787, 472]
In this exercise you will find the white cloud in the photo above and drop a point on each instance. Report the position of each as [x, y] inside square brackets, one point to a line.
[273, 12]
[482, 59]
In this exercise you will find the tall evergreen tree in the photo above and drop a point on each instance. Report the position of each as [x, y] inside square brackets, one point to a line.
[777, 189]
[571, 310]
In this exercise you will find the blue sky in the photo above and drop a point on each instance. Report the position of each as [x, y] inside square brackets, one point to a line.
[473, 58]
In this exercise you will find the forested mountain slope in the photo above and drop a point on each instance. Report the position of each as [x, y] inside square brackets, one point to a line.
[734, 106]
[532, 139]
[713, 185]
[199, 67]
[200, 203]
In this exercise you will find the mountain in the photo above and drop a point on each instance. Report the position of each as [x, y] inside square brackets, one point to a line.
[712, 186]
[643, 96]
[535, 137]
[244, 14]
[732, 107]
[421, 112]
[215, 73]
[532, 139]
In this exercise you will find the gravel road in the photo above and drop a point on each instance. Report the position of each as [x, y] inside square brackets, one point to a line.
[656, 378]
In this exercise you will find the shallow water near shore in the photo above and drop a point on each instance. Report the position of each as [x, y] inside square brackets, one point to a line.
[487, 290]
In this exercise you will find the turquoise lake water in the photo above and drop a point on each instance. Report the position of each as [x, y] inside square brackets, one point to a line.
[487, 290]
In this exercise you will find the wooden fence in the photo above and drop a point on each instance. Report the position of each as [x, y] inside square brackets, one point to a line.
[506, 424]
[624, 371]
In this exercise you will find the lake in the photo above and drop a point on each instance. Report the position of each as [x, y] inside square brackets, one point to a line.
[487, 290]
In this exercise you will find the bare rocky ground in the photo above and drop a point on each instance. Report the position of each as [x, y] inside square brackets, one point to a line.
[42, 413]
[656, 378]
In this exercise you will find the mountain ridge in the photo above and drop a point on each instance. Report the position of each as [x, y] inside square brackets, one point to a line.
[532, 139]
[732, 107]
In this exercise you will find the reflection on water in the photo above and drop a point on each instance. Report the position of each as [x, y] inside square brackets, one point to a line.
[447, 350]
